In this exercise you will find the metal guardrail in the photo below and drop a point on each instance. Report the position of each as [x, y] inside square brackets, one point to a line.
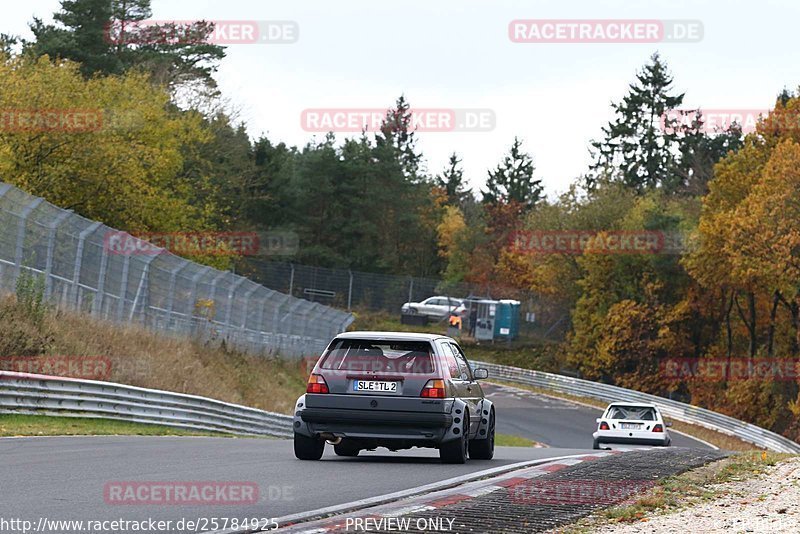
[51, 395]
[674, 409]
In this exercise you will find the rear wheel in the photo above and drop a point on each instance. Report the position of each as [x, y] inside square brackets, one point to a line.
[483, 449]
[306, 448]
[455, 451]
[345, 449]
[596, 444]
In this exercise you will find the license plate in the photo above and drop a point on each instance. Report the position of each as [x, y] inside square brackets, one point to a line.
[630, 426]
[379, 386]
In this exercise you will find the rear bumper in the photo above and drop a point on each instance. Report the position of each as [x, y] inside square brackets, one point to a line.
[331, 416]
[632, 440]
[432, 423]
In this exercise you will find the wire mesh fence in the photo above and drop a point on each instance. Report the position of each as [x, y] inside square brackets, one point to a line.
[348, 289]
[164, 292]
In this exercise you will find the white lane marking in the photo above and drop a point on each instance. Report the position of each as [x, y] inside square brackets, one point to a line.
[355, 506]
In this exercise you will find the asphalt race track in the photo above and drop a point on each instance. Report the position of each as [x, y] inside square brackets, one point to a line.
[553, 422]
[64, 477]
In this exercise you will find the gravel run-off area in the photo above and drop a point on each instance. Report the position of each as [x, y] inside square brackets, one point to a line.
[767, 503]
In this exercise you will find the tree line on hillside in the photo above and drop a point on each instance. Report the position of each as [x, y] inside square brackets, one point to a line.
[170, 158]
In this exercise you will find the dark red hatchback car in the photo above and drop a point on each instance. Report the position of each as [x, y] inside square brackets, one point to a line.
[395, 390]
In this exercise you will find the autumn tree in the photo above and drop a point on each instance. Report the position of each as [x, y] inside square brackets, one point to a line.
[120, 163]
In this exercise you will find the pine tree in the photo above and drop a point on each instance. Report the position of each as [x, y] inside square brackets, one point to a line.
[639, 149]
[397, 135]
[104, 37]
[452, 181]
[513, 181]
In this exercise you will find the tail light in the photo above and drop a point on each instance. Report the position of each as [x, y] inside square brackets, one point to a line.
[658, 428]
[434, 389]
[604, 425]
[316, 384]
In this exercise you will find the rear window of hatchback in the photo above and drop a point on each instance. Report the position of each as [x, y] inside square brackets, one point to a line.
[378, 356]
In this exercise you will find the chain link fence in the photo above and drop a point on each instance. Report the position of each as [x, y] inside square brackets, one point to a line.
[348, 289]
[159, 290]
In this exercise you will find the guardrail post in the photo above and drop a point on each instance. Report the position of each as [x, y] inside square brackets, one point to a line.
[20, 248]
[51, 245]
[76, 273]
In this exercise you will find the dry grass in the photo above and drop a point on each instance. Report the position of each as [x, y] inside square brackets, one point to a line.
[142, 358]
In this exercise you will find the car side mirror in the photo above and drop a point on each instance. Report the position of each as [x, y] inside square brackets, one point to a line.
[480, 374]
[668, 424]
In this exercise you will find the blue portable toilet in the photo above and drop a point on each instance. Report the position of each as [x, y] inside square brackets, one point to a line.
[506, 323]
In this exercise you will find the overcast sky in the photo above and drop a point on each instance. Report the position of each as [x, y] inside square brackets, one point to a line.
[448, 54]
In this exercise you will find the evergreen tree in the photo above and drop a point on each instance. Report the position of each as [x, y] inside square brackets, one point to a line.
[513, 181]
[104, 37]
[452, 181]
[81, 36]
[397, 135]
[638, 148]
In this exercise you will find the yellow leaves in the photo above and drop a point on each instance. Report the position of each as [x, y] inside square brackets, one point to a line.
[449, 229]
[126, 172]
[748, 229]
[764, 229]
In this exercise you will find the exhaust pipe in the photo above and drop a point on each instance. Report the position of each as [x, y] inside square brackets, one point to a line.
[330, 438]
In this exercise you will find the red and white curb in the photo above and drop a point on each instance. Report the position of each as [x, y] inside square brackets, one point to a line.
[439, 499]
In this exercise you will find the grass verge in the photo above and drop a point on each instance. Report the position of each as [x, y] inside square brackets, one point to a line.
[42, 425]
[508, 440]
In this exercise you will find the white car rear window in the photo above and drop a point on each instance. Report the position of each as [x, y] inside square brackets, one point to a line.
[638, 413]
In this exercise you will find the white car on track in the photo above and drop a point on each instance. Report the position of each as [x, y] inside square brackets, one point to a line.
[632, 423]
